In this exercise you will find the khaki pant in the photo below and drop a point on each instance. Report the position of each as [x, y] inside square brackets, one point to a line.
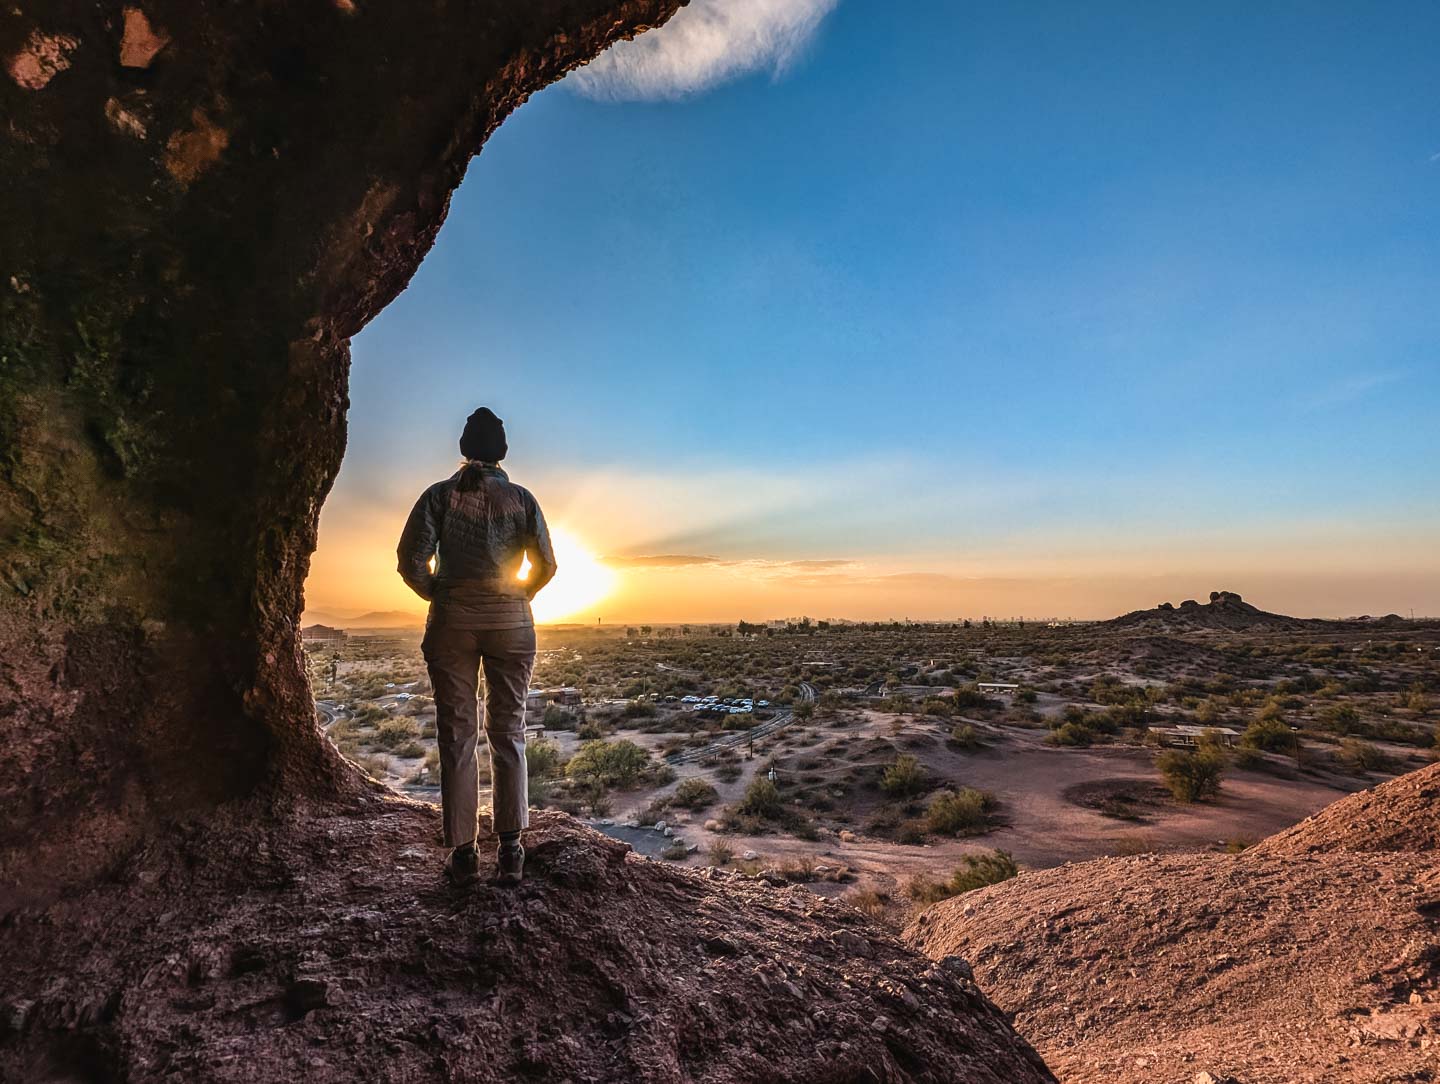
[454, 658]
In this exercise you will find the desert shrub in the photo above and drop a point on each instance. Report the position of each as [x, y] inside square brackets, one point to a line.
[542, 759]
[910, 832]
[1362, 757]
[969, 698]
[728, 771]
[614, 764]
[675, 851]
[935, 705]
[966, 737]
[868, 901]
[903, 778]
[721, 853]
[590, 731]
[1269, 734]
[1071, 734]
[395, 733]
[557, 718]
[1340, 719]
[410, 750]
[804, 709]
[762, 799]
[342, 729]
[373, 763]
[1246, 758]
[694, 793]
[962, 812]
[976, 871]
[1191, 777]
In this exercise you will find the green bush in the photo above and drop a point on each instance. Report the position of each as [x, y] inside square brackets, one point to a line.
[694, 793]
[1361, 756]
[1191, 777]
[613, 764]
[977, 871]
[542, 759]
[557, 718]
[1072, 733]
[1342, 719]
[969, 698]
[903, 778]
[394, 733]
[762, 799]
[966, 812]
[1271, 735]
[966, 737]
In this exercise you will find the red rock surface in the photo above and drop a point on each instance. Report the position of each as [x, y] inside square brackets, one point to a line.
[247, 952]
[1310, 957]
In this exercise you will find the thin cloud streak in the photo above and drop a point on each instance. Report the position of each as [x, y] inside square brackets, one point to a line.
[705, 44]
[660, 560]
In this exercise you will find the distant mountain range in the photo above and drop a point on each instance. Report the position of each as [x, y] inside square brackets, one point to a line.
[375, 619]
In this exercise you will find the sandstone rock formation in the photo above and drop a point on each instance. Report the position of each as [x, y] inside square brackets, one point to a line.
[1225, 610]
[1313, 956]
[203, 201]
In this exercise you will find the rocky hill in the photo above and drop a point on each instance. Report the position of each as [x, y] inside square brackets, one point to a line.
[1313, 956]
[1225, 610]
[246, 953]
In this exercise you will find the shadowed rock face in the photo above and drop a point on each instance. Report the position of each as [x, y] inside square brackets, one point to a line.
[344, 956]
[203, 202]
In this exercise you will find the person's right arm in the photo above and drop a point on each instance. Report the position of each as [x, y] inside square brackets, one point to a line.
[418, 543]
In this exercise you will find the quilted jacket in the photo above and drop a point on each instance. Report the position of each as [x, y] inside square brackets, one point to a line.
[479, 540]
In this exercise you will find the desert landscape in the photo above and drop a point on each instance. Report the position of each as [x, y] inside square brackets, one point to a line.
[878, 773]
[884, 314]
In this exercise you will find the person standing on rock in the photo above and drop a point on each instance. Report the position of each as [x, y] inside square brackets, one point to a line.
[480, 527]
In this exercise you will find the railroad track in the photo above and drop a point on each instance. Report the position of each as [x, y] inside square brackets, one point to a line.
[742, 737]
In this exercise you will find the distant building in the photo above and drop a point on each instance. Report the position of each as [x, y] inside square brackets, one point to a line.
[567, 696]
[322, 634]
[1189, 735]
[999, 688]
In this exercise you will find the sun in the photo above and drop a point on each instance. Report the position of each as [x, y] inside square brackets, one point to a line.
[582, 581]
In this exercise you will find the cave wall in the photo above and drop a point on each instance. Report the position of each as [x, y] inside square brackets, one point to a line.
[202, 202]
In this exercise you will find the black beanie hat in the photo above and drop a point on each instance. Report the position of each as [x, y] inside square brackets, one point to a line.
[484, 437]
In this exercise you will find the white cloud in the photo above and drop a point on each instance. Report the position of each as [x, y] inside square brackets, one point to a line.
[704, 44]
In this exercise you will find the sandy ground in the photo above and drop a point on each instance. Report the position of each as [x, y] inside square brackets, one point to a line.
[1041, 828]
[1038, 825]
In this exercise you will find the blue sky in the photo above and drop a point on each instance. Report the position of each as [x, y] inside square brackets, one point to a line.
[942, 293]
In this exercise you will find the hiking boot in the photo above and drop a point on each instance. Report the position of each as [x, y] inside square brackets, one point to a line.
[510, 858]
[463, 865]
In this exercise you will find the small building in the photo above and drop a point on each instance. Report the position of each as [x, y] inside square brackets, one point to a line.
[998, 688]
[1188, 735]
[567, 696]
[323, 634]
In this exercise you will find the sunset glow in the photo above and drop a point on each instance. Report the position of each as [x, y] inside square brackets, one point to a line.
[581, 583]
